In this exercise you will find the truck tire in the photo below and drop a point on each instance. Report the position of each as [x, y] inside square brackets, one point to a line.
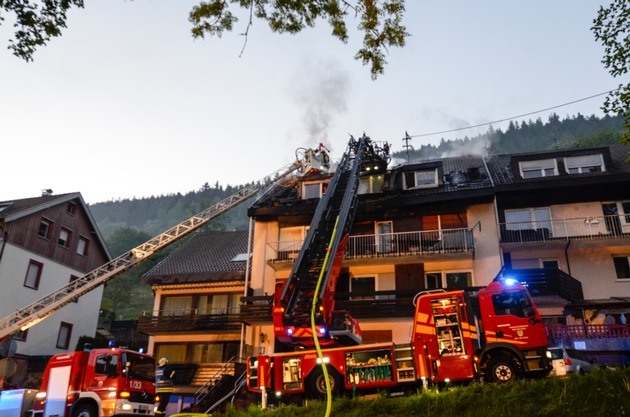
[317, 383]
[85, 410]
[502, 368]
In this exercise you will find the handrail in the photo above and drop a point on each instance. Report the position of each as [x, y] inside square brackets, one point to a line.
[211, 381]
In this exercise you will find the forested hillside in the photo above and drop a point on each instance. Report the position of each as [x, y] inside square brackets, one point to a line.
[127, 223]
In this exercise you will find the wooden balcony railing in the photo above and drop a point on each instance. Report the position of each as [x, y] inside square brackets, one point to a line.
[173, 322]
[582, 228]
[422, 242]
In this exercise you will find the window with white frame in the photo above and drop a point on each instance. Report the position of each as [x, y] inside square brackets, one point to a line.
[622, 266]
[33, 274]
[538, 168]
[528, 219]
[64, 335]
[45, 228]
[584, 164]
[312, 190]
[64, 237]
[83, 246]
[420, 179]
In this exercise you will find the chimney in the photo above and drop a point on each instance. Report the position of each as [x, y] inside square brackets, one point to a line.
[46, 192]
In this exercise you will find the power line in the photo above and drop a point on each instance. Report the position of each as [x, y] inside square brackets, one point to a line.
[509, 118]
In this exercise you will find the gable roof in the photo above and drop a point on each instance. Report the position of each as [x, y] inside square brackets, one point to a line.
[204, 257]
[504, 168]
[11, 210]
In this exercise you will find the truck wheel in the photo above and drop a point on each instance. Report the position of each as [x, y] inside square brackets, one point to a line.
[85, 410]
[502, 368]
[317, 383]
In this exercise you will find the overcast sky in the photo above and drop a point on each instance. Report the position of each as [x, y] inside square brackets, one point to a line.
[126, 104]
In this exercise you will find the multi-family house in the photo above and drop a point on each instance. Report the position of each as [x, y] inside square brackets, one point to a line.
[196, 322]
[569, 210]
[45, 243]
[557, 219]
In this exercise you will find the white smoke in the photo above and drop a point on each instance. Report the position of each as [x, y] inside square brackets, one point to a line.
[322, 97]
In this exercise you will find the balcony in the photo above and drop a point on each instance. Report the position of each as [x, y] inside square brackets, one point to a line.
[186, 321]
[550, 281]
[392, 245]
[589, 229]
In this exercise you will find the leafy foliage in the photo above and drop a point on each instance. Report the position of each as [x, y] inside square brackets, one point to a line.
[36, 23]
[379, 20]
[612, 29]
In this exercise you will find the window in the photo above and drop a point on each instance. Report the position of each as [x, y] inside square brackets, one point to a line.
[45, 228]
[452, 280]
[420, 179]
[240, 257]
[33, 274]
[371, 184]
[622, 266]
[82, 246]
[64, 237]
[106, 364]
[517, 304]
[537, 169]
[584, 164]
[362, 288]
[384, 237]
[71, 209]
[64, 335]
[528, 219]
[312, 190]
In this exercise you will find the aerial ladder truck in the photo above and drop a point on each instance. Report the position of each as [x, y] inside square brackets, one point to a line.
[319, 261]
[39, 310]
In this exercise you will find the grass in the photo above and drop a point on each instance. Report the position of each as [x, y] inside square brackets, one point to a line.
[603, 392]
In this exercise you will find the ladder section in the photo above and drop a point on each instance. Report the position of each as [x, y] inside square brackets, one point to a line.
[328, 233]
[37, 311]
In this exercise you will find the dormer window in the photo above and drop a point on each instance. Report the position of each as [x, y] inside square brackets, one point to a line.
[538, 168]
[584, 164]
[420, 179]
[312, 190]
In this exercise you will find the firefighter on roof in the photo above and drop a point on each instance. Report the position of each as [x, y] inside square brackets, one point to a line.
[163, 385]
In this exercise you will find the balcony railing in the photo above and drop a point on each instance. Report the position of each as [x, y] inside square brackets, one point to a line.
[189, 320]
[422, 242]
[583, 228]
[588, 331]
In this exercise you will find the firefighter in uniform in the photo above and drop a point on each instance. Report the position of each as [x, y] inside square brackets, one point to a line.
[163, 386]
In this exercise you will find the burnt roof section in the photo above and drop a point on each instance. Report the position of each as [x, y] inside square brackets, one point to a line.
[205, 257]
[456, 175]
[505, 168]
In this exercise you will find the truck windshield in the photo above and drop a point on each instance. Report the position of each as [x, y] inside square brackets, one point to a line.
[139, 367]
[516, 303]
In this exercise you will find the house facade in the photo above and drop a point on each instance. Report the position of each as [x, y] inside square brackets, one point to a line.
[45, 243]
[559, 220]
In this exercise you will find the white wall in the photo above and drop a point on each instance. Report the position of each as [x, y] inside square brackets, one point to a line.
[42, 338]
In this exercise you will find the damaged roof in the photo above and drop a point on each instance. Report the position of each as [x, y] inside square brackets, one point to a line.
[456, 175]
[205, 257]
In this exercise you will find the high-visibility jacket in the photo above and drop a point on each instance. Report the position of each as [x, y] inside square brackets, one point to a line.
[164, 379]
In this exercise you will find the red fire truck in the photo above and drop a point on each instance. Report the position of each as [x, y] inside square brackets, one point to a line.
[99, 382]
[492, 333]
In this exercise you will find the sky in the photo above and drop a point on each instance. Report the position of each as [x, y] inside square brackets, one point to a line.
[126, 104]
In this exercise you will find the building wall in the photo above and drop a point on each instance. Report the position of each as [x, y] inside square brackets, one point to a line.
[42, 338]
[487, 260]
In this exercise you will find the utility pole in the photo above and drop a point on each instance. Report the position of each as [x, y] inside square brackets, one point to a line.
[407, 146]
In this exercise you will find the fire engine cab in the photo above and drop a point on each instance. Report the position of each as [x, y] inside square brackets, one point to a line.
[97, 383]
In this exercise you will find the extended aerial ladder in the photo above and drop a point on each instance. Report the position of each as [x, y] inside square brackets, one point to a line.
[37, 311]
[321, 255]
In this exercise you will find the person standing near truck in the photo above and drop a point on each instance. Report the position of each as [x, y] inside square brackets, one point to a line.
[163, 385]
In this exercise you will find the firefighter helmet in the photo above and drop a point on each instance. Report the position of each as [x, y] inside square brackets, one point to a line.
[162, 362]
